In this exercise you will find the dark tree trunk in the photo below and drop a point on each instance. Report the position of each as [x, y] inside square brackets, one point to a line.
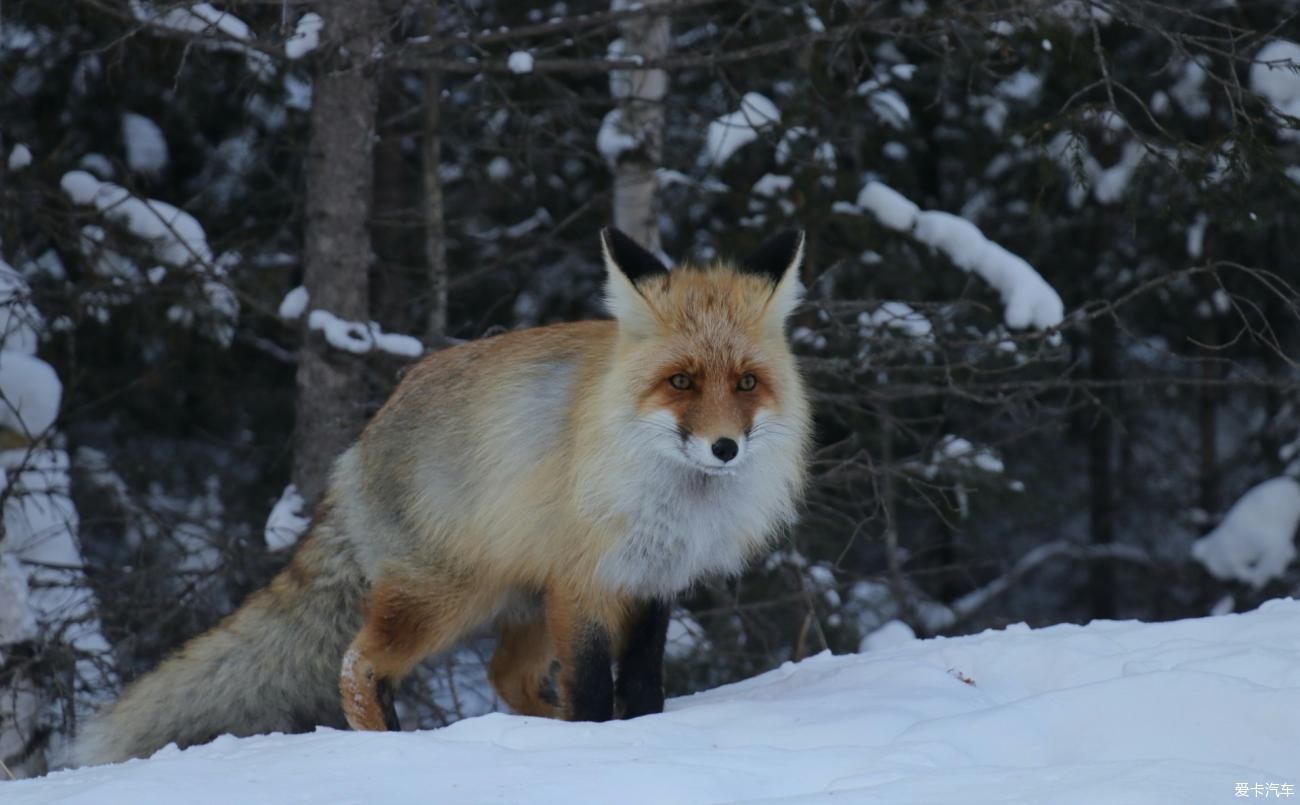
[330, 406]
[1101, 467]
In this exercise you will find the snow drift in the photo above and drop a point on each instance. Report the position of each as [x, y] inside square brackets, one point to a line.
[1113, 712]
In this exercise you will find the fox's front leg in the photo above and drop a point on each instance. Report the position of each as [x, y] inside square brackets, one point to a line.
[640, 686]
[581, 630]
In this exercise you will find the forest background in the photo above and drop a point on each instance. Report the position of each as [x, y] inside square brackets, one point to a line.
[1051, 330]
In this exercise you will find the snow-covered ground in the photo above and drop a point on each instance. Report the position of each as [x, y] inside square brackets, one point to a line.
[1107, 714]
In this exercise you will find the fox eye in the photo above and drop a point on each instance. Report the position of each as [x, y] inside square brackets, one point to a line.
[680, 381]
[747, 382]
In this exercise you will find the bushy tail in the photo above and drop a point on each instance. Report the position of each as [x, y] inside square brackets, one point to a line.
[272, 666]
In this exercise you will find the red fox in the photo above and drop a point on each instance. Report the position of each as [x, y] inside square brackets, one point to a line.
[563, 482]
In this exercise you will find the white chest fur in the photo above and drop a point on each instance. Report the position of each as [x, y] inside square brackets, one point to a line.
[682, 526]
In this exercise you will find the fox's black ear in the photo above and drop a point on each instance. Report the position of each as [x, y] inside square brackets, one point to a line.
[778, 260]
[628, 256]
[777, 256]
[626, 264]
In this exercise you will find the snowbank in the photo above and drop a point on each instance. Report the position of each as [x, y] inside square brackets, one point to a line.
[1114, 712]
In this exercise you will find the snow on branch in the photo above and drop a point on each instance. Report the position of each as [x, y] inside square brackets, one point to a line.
[286, 523]
[1275, 75]
[306, 36]
[1028, 300]
[359, 339]
[1255, 543]
[208, 25]
[734, 130]
[176, 236]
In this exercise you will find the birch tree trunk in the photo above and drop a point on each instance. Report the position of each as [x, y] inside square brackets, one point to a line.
[435, 233]
[336, 255]
[632, 134]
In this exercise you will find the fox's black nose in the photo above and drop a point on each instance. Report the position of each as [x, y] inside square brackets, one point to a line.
[725, 449]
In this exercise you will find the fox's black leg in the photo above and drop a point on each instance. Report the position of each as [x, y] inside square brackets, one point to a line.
[590, 688]
[582, 645]
[384, 696]
[640, 688]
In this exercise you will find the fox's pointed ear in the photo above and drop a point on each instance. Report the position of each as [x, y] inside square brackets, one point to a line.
[777, 255]
[779, 260]
[626, 264]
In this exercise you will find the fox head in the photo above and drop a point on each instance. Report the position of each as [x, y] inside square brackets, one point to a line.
[703, 354]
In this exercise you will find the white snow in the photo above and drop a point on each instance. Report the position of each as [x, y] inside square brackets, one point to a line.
[20, 321]
[954, 450]
[41, 525]
[1275, 75]
[811, 19]
[1189, 90]
[1196, 236]
[17, 620]
[890, 107]
[771, 185]
[898, 316]
[1028, 301]
[210, 27]
[613, 140]
[42, 589]
[349, 336]
[885, 103]
[891, 634]
[98, 164]
[177, 237]
[520, 62]
[30, 393]
[734, 130]
[395, 343]
[499, 169]
[195, 18]
[305, 37]
[19, 157]
[1255, 543]
[80, 186]
[286, 523]
[146, 147]
[685, 637]
[1022, 85]
[823, 152]
[903, 72]
[891, 208]
[358, 338]
[1112, 712]
[294, 303]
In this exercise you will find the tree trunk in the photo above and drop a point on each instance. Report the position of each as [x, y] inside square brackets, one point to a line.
[1101, 459]
[330, 408]
[640, 115]
[435, 233]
